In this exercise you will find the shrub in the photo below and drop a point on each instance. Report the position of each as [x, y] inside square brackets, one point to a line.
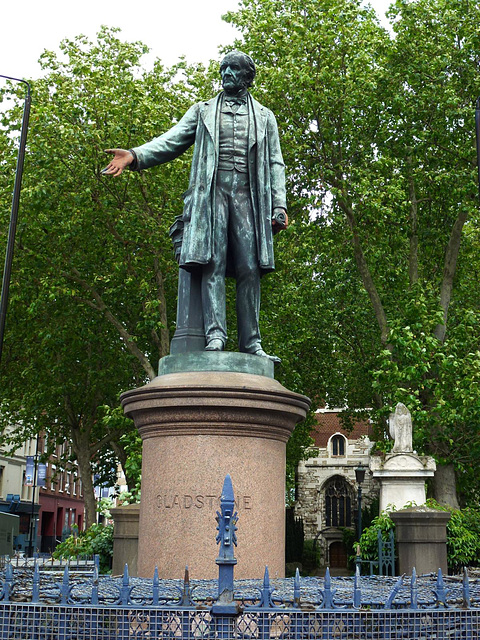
[369, 537]
[97, 539]
[463, 536]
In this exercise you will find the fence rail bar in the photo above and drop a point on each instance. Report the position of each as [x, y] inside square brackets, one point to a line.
[39, 622]
[39, 606]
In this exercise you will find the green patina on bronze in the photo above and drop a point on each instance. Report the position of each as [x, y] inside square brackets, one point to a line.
[235, 202]
[214, 361]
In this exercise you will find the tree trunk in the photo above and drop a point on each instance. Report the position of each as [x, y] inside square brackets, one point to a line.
[444, 486]
[81, 448]
[449, 269]
[85, 472]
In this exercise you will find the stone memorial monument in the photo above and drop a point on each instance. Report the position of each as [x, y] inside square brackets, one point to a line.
[402, 473]
[210, 412]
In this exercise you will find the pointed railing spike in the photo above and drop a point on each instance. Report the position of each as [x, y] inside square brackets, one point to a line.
[296, 589]
[357, 591]
[64, 588]
[394, 592]
[466, 589]
[186, 599]
[95, 586]
[440, 590]
[327, 591]
[328, 579]
[36, 582]
[155, 588]
[266, 591]
[266, 579]
[125, 588]
[414, 590]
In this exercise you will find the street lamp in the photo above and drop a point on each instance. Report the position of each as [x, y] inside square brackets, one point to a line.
[360, 477]
[14, 212]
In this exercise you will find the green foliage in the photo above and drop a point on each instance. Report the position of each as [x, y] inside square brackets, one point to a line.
[97, 539]
[463, 536]
[369, 537]
[378, 137]
[94, 282]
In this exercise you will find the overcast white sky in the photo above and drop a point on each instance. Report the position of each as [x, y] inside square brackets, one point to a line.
[170, 28]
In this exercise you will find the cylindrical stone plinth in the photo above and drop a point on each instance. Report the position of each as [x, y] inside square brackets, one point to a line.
[197, 427]
[421, 535]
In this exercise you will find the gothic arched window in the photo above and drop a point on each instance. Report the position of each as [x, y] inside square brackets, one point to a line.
[338, 503]
[338, 445]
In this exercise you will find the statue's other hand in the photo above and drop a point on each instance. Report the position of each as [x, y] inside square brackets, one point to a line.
[121, 159]
[279, 219]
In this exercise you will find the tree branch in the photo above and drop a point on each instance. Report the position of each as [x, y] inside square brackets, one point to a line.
[124, 334]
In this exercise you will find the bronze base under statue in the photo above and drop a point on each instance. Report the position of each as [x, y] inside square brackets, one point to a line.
[226, 415]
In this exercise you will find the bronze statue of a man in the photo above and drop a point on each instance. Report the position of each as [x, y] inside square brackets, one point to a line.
[235, 201]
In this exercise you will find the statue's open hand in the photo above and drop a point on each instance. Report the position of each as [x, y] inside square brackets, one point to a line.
[121, 159]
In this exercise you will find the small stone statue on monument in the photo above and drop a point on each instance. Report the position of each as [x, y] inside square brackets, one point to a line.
[400, 426]
[235, 203]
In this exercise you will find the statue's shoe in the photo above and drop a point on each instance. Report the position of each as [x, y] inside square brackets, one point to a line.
[214, 345]
[262, 354]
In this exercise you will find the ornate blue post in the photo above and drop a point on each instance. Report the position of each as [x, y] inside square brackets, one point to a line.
[225, 609]
[227, 539]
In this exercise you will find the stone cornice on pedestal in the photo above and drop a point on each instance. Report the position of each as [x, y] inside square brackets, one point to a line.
[402, 464]
[402, 478]
[231, 404]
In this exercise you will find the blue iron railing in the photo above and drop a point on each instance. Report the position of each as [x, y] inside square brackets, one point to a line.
[36, 606]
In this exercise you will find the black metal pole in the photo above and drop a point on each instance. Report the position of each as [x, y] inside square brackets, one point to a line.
[32, 514]
[14, 214]
[477, 134]
[359, 524]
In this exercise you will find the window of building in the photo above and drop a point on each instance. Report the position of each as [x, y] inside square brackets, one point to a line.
[338, 445]
[338, 503]
[53, 479]
[61, 481]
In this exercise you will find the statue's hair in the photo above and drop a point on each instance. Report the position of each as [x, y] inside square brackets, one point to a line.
[247, 62]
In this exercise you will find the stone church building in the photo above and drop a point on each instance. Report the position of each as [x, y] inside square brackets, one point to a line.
[326, 490]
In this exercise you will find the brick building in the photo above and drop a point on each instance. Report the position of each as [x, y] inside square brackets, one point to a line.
[61, 501]
[326, 496]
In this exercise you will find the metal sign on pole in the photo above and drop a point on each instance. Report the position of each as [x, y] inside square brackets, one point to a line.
[14, 214]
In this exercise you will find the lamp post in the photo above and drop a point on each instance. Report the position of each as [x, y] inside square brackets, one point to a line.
[14, 212]
[360, 477]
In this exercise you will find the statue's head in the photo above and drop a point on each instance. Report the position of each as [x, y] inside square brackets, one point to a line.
[237, 70]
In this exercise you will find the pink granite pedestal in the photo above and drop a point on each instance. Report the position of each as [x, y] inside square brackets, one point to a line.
[196, 427]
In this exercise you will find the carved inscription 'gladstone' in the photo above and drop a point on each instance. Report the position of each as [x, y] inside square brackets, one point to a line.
[198, 501]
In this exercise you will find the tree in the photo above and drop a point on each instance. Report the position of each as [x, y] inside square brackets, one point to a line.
[380, 152]
[94, 288]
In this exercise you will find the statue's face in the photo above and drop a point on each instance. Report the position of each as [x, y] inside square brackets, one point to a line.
[234, 74]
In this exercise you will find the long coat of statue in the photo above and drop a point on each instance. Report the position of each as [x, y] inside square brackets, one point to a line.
[199, 126]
